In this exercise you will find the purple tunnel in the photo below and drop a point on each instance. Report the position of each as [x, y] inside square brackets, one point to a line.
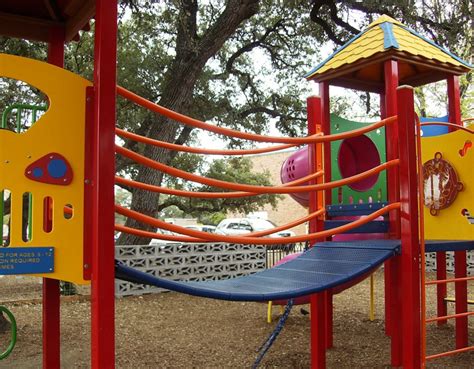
[356, 155]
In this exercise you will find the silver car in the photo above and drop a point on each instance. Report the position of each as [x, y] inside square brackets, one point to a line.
[235, 226]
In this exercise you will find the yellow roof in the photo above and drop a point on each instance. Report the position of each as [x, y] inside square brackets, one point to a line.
[382, 36]
[384, 18]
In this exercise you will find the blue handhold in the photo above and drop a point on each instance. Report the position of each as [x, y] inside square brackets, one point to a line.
[38, 172]
[57, 168]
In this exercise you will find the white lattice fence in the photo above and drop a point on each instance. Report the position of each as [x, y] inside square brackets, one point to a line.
[431, 262]
[190, 262]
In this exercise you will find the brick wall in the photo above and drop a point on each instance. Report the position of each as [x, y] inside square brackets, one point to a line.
[287, 209]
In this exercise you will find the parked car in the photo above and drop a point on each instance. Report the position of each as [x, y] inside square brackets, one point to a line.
[157, 241]
[202, 228]
[235, 226]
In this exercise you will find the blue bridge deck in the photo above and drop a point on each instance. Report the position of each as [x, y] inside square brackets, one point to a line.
[328, 265]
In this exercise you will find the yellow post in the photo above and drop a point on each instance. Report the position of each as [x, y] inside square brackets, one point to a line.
[269, 312]
[372, 298]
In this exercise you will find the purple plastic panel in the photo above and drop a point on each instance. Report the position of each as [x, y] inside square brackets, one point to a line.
[295, 167]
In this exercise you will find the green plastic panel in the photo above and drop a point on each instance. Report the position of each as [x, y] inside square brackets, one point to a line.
[345, 194]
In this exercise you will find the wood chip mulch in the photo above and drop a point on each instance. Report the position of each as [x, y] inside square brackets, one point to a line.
[170, 330]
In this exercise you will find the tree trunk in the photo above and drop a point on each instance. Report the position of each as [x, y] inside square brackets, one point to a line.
[192, 54]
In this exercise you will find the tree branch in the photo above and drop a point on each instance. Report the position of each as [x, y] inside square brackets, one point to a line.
[316, 10]
[252, 45]
[234, 13]
[187, 37]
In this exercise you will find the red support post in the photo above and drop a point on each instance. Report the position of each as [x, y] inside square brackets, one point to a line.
[461, 306]
[460, 257]
[394, 273]
[51, 295]
[410, 258]
[103, 304]
[441, 289]
[392, 266]
[454, 100]
[318, 344]
[325, 121]
[329, 302]
[391, 140]
[51, 324]
[319, 323]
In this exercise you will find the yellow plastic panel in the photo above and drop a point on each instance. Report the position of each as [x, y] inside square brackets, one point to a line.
[450, 223]
[60, 130]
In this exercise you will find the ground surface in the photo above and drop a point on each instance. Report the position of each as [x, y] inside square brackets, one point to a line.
[170, 330]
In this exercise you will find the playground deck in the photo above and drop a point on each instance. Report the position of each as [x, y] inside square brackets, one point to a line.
[328, 265]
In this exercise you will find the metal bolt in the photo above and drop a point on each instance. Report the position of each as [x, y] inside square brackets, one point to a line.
[87, 181]
[7, 161]
[28, 156]
[86, 266]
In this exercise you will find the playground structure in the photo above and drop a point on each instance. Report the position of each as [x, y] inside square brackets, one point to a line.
[74, 184]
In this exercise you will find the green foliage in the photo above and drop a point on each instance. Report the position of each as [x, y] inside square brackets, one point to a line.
[212, 219]
[186, 56]
[467, 105]
[210, 211]
[256, 77]
[252, 83]
[17, 92]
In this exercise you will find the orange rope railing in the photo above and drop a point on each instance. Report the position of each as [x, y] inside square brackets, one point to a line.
[243, 135]
[202, 194]
[250, 240]
[179, 238]
[250, 188]
[452, 316]
[197, 150]
[446, 124]
[450, 353]
[451, 280]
